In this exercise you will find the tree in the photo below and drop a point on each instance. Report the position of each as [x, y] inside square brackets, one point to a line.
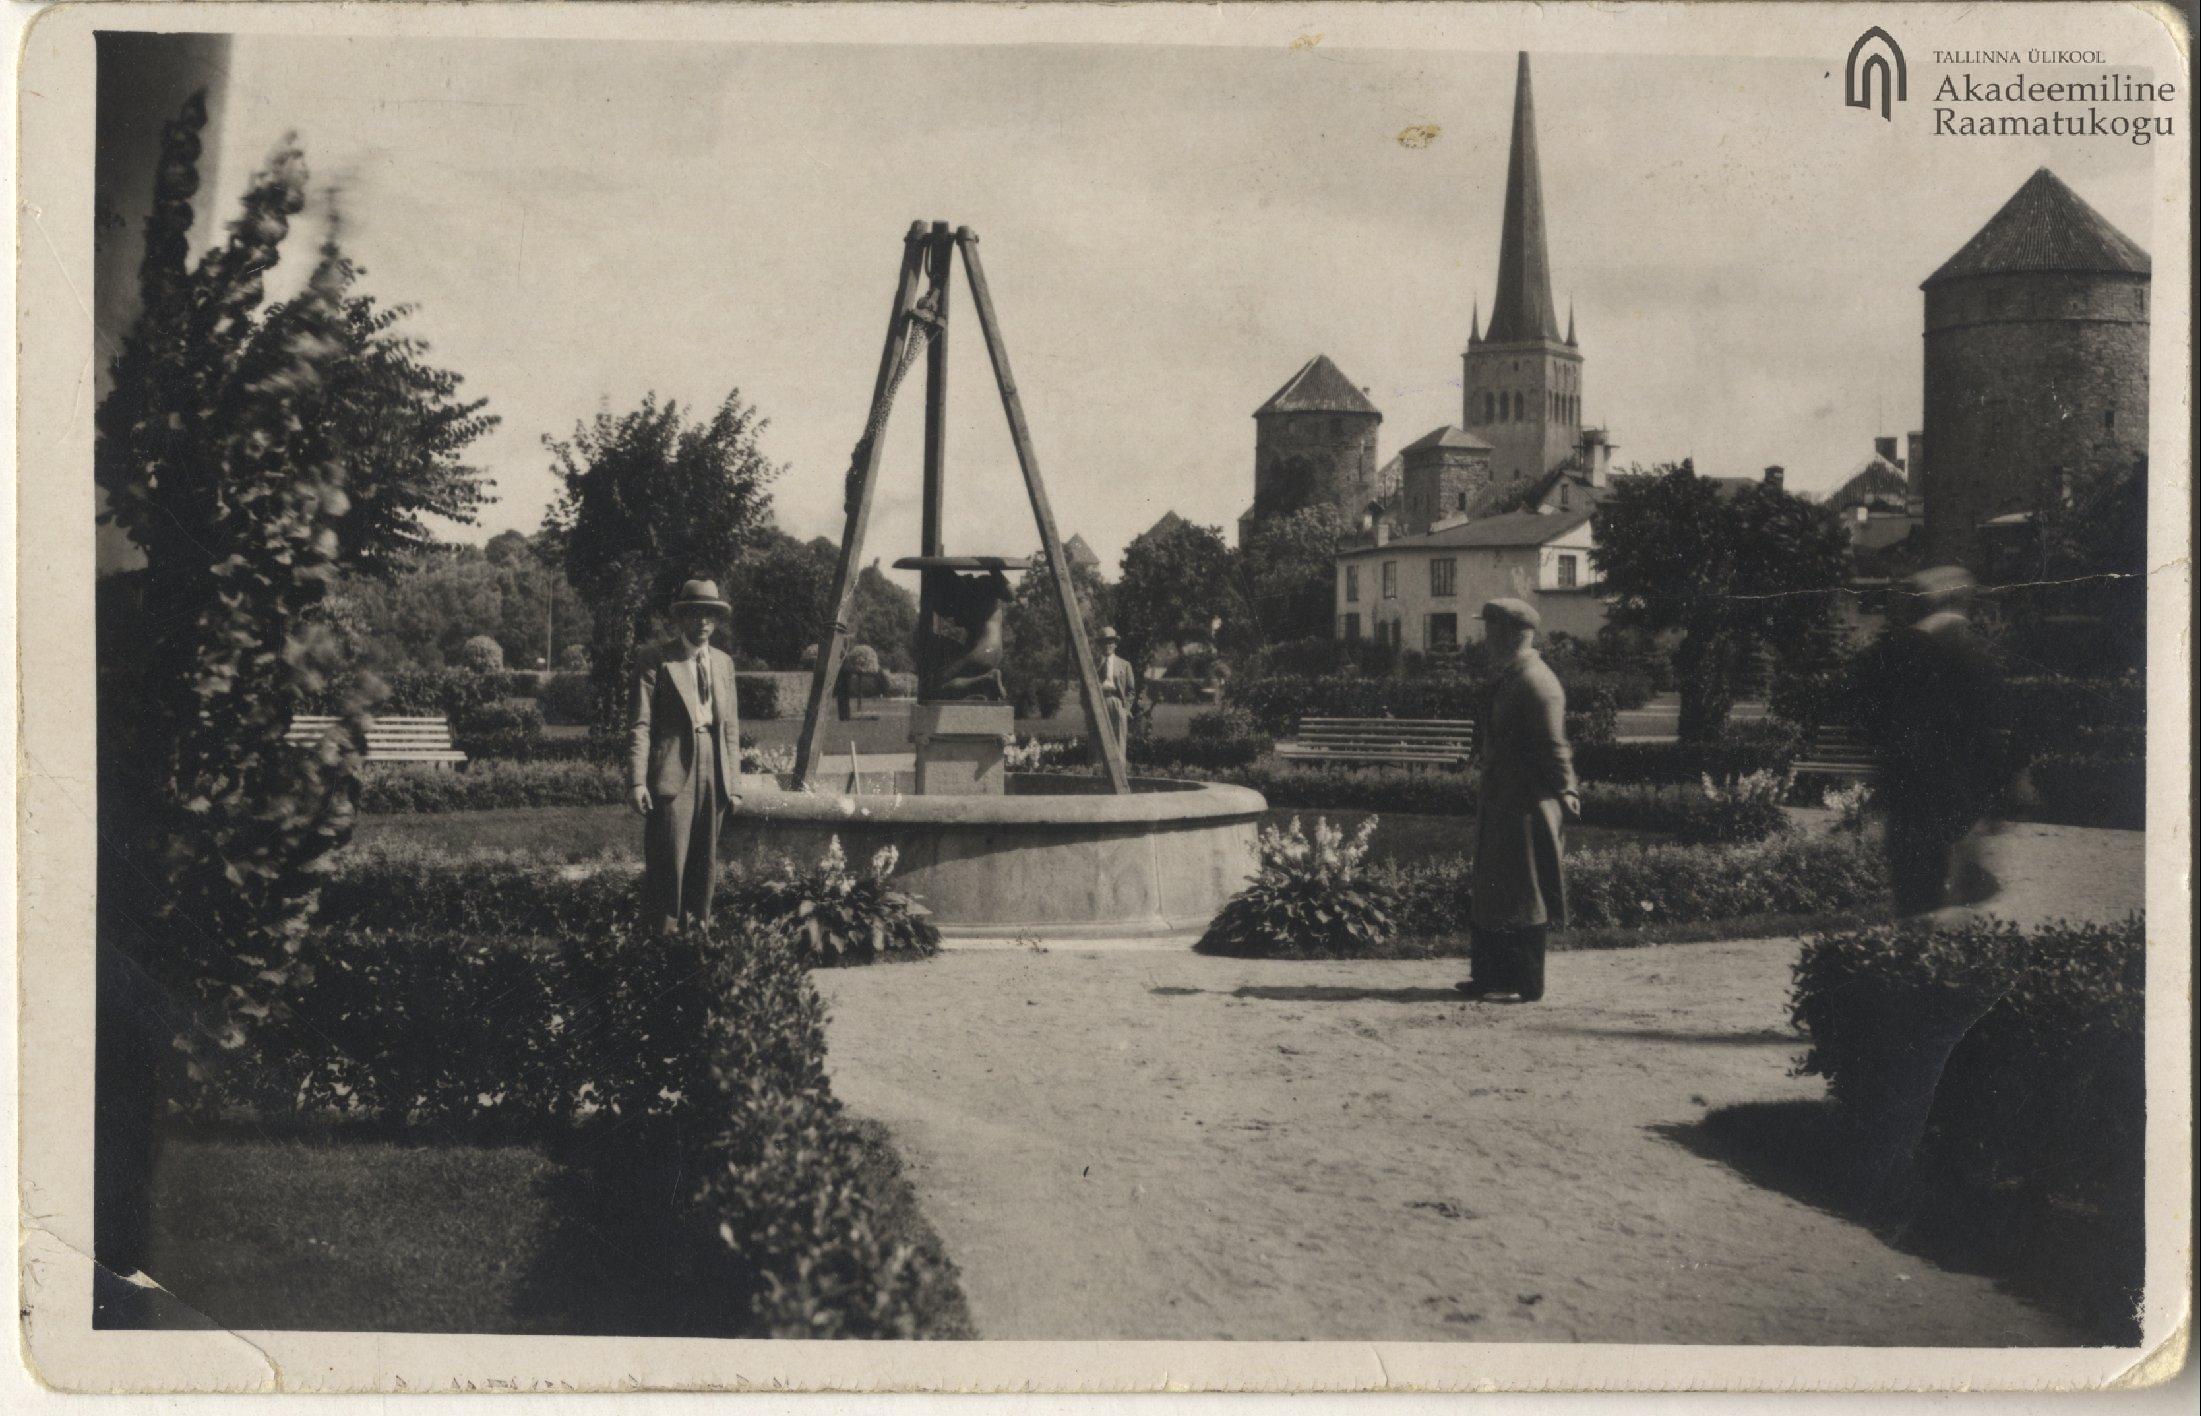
[1035, 664]
[214, 831]
[396, 423]
[1290, 573]
[1177, 582]
[440, 595]
[649, 501]
[1734, 571]
[780, 588]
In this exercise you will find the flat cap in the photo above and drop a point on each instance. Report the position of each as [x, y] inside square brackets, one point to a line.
[1513, 611]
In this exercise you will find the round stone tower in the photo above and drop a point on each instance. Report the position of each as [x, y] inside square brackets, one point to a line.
[2036, 366]
[1315, 444]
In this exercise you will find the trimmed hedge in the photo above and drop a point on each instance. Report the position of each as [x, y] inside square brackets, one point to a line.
[1177, 690]
[493, 786]
[1279, 701]
[1639, 886]
[510, 728]
[2033, 1133]
[758, 695]
[568, 698]
[492, 893]
[2074, 790]
[1742, 750]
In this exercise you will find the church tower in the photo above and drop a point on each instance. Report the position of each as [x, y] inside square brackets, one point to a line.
[1521, 379]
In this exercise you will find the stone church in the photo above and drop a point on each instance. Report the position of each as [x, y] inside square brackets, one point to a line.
[1521, 443]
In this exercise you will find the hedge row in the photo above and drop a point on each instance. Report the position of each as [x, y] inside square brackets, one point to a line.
[2031, 1133]
[2074, 790]
[493, 786]
[1279, 701]
[706, 1050]
[1662, 884]
[1742, 749]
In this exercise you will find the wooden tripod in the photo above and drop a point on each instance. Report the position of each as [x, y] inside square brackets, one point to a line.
[929, 253]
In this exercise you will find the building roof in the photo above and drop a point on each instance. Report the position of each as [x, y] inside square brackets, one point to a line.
[1539, 491]
[1077, 552]
[1166, 523]
[1523, 309]
[1516, 528]
[1878, 480]
[1319, 387]
[1446, 436]
[2045, 226]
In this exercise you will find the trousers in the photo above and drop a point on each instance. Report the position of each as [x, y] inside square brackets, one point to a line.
[680, 846]
[1508, 960]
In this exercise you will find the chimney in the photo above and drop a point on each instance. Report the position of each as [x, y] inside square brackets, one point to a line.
[1884, 448]
[1776, 478]
[1914, 463]
[1383, 531]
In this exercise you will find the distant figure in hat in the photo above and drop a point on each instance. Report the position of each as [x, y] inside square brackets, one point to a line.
[685, 758]
[1932, 707]
[1528, 790]
[1118, 686]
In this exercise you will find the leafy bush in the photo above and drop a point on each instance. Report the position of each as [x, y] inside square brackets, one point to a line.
[493, 786]
[512, 728]
[1176, 690]
[758, 696]
[1742, 809]
[2076, 790]
[1222, 724]
[451, 693]
[568, 698]
[1310, 898]
[482, 654]
[838, 916]
[1741, 750]
[488, 893]
[1206, 754]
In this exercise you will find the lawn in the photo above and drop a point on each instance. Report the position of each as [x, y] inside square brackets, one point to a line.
[587, 832]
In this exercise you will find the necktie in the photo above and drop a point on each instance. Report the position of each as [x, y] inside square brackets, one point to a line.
[703, 683]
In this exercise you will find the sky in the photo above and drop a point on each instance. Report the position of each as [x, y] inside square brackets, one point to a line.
[1169, 234]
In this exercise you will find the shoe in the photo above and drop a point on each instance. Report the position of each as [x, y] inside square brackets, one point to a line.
[1470, 988]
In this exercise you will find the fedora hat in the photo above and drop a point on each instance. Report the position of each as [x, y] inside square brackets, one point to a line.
[1109, 635]
[1512, 611]
[701, 595]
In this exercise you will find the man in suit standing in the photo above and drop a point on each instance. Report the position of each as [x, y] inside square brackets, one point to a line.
[1118, 687]
[1528, 790]
[686, 759]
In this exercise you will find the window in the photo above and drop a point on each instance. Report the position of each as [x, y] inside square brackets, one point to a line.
[1462, 504]
[1352, 587]
[1444, 634]
[1566, 500]
[1443, 576]
[2109, 419]
[1390, 580]
[1348, 627]
[1490, 409]
[1567, 572]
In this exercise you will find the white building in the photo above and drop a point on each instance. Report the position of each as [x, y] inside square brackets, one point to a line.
[1425, 592]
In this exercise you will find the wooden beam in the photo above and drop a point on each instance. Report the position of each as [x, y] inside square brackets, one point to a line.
[833, 635]
[1058, 565]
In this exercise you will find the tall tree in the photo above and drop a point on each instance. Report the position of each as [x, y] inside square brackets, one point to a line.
[1290, 571]
[651, 500]
[397, 424]
[1035, 666]
[1734, 570]
[1177, 582]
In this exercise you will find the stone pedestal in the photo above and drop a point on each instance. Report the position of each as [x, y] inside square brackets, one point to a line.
[960, 746]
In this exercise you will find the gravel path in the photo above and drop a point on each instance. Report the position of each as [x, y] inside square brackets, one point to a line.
[1155, 1144]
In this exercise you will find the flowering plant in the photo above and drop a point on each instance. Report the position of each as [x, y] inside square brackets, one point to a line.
[840, 916]
[1309, 898]
[1745, 808]
[1850, 804]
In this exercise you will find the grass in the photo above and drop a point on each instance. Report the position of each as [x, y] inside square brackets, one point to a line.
[347, 1234]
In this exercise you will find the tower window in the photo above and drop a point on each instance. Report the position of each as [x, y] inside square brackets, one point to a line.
[1462, 504]
[1490, 409]
[2109, 419]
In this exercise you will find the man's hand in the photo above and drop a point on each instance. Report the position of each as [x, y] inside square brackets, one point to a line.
[642, 801]
[1573, 803]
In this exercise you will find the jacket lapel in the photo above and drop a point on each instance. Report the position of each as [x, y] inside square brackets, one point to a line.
[682, 671]
[722, 686]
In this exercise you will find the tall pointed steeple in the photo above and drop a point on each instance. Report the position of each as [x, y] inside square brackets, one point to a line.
[1523, 309]
[1475, 324]
[1570, 324]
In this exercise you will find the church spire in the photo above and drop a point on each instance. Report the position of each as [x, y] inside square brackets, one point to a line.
[1475, 323]
[1523, 310]
[1570, 324]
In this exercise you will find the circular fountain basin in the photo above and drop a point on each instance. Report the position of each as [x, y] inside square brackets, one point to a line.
[1055, 857]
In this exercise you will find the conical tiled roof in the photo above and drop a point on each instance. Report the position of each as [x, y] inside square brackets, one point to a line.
[1319, 387]
[1523, 309]
[1447, 436]
[2045, 226]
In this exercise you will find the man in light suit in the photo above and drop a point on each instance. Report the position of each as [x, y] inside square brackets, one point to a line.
[686, 759]
[1119, 685]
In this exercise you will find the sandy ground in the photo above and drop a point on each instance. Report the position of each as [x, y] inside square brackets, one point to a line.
[1155, 1144]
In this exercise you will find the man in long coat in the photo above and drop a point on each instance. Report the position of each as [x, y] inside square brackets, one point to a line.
[685, 759]
[1528, 790]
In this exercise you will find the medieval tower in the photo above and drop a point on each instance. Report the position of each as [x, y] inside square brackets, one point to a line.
[1314, 443]
[2036, 364]
[1522, 381]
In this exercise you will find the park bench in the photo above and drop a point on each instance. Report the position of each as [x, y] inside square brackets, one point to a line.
[1835, 750]
[1409, 742]
[389, 739]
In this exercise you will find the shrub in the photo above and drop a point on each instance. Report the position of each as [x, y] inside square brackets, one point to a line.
[481, 654]
[838, 916]
[512, 728]
[1176, 690]
[2076, 790]
[1743, 809]
[1741, 750]
[488, 893]
[493, 786]
[1204, 754]
[758, 696]
[568, 698]
[1222, 724]
[1279, 701]
[1309, 898]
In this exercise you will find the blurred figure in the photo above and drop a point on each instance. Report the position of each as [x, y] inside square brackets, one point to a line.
[1528, 790]
[1934, 713]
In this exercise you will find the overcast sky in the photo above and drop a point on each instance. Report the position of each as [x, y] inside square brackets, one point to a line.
[1169, 234]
